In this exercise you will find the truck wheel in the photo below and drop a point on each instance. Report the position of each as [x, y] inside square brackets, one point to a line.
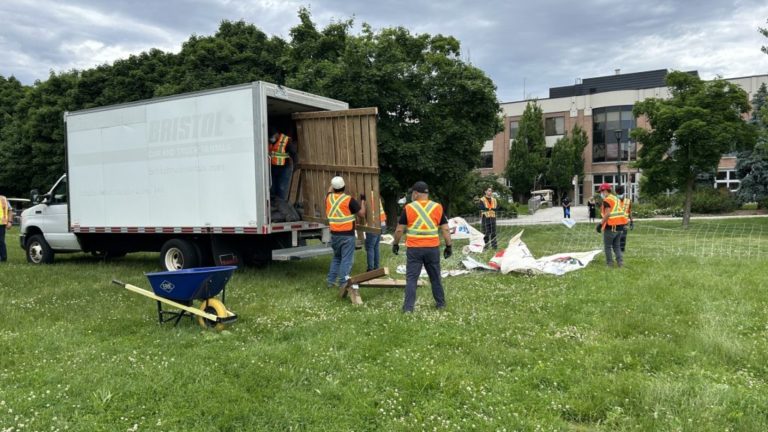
[38, 250]
[178, 254]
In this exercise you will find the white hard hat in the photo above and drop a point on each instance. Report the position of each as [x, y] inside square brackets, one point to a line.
[337, 182]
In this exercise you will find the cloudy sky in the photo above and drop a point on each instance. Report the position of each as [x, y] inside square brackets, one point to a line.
[524, 46]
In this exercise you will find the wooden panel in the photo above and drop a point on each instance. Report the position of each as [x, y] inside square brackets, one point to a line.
[339, 143]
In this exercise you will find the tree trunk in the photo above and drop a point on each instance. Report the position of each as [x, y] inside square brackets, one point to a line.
[688, 200]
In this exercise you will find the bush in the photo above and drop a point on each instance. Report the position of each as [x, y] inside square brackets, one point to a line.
[749, 206]
[713, 201]
[668, 201]
[763, 204]
[643, 211]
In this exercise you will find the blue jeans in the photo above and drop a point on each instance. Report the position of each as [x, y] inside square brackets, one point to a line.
[3, 251]
[429, 258]
[343, 258]
[612, 242]
[281, 181]
[372, 249]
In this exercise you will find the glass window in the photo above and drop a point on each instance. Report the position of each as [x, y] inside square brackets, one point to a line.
[514, 127]
[727, 179]
[486, 159]
[60, 193]
[604, 122]
[554, 126]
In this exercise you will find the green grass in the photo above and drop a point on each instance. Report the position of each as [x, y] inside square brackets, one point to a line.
[672, 343]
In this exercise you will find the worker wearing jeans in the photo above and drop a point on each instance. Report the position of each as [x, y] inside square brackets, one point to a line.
[6, 219]
[613, 224]
[422, 218]
[341, 210]
[372, 241]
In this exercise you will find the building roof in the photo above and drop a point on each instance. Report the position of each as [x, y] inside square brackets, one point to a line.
[629, 81]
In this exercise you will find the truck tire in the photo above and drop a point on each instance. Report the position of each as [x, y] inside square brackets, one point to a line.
[178, 254]
[38, 250]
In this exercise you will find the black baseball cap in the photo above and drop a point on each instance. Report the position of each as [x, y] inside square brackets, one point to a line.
[420, 187]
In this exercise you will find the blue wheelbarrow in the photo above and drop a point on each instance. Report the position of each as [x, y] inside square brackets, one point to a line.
[181, 287]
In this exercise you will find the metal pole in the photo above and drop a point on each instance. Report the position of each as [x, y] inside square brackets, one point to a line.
[618, 158]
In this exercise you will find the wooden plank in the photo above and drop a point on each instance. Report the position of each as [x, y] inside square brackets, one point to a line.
[332, 114]
[362, 277]
[189, 309]
[388, 283]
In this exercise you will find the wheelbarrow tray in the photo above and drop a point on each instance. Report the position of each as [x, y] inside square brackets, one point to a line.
[190, 284]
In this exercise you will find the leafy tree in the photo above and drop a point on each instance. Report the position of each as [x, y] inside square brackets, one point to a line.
[764, 32]
[561, 165]
[690, 132]
[752, 166]
[527, 157]
[579, 141]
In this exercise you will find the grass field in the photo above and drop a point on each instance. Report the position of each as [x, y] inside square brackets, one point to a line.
[671, 342]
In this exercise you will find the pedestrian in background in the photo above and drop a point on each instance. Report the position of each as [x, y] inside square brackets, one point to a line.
[422, 218]
[488, 207]
[566, 203]
[6, 221]
[591, 208]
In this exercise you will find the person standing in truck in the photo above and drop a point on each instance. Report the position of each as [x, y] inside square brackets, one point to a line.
[282, 156]
[6, 219]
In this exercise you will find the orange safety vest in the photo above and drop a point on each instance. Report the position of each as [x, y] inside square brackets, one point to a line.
[491, 206]
[5, 210]
[277, 151]
[382, 214]
[340, 217]
[617, 216]
[423, 220]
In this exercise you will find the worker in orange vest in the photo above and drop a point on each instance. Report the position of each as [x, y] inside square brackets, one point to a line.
[423, 219]
[6, 221]
[628, 210]
[282, 156]
[373, 240]
[341, 210]
[613, 224]
[488, 207]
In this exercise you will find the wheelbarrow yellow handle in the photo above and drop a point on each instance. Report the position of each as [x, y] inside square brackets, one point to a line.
[152, 295]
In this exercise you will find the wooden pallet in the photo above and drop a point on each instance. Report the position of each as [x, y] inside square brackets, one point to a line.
[370, 279]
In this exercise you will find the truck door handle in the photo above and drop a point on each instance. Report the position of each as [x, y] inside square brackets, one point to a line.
[38, 211]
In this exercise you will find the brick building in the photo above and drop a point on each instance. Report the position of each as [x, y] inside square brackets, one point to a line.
[600, 106]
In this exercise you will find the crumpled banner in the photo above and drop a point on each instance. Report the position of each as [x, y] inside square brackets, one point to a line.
[518, 258]
[462, 230]
[472, 264]
[444, 273]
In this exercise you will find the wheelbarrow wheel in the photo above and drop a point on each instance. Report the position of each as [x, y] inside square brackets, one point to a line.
[215, 307]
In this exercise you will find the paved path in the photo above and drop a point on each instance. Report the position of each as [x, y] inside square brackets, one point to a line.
[580, 214]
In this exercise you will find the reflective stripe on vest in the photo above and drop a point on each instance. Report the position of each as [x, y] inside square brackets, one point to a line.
[423, 219]
[277, 151]
[617, 216]
[491, 206]
[627, 206]
[340, 218]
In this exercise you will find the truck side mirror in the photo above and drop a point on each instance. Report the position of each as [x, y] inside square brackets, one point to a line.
[34, 195]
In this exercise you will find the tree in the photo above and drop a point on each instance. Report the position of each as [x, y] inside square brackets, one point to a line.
[764, 32]
[752, 166]
[690, 132]
[527, 157]
[567, 160]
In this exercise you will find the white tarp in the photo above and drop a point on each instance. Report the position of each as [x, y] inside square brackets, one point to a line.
[461, 230]
[518, 258]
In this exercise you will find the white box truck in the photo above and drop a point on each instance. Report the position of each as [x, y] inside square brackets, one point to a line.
[189, 176]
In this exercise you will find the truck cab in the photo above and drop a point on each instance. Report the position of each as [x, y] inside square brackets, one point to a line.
[45, 225]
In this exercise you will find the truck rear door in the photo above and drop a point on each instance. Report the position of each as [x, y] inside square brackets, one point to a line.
[338, 143]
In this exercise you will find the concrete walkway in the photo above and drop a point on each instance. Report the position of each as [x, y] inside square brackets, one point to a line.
[580, 214]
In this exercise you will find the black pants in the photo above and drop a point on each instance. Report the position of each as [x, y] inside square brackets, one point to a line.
[489, 229]
[3, 251]
[430, 259]
[623, 240]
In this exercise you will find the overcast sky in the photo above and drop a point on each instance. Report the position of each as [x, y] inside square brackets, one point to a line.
[524, 46]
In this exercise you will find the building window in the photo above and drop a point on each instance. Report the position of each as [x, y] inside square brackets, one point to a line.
[604, 122]
[486, 159]
[554, 126]
[726, 179]
[514, 127]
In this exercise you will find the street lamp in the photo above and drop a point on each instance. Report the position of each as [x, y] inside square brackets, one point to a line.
[618, 132]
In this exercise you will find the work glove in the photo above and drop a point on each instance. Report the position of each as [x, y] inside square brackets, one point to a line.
[395, 248]
[362, 197]
[631, 225]
[599, 227]
[448, 252]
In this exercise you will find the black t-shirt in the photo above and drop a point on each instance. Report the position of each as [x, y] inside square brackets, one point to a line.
[354, 207]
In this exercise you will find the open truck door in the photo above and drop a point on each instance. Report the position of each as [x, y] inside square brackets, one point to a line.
[338, 143]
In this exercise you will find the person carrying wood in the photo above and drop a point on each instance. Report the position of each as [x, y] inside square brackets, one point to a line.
[341, 209]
